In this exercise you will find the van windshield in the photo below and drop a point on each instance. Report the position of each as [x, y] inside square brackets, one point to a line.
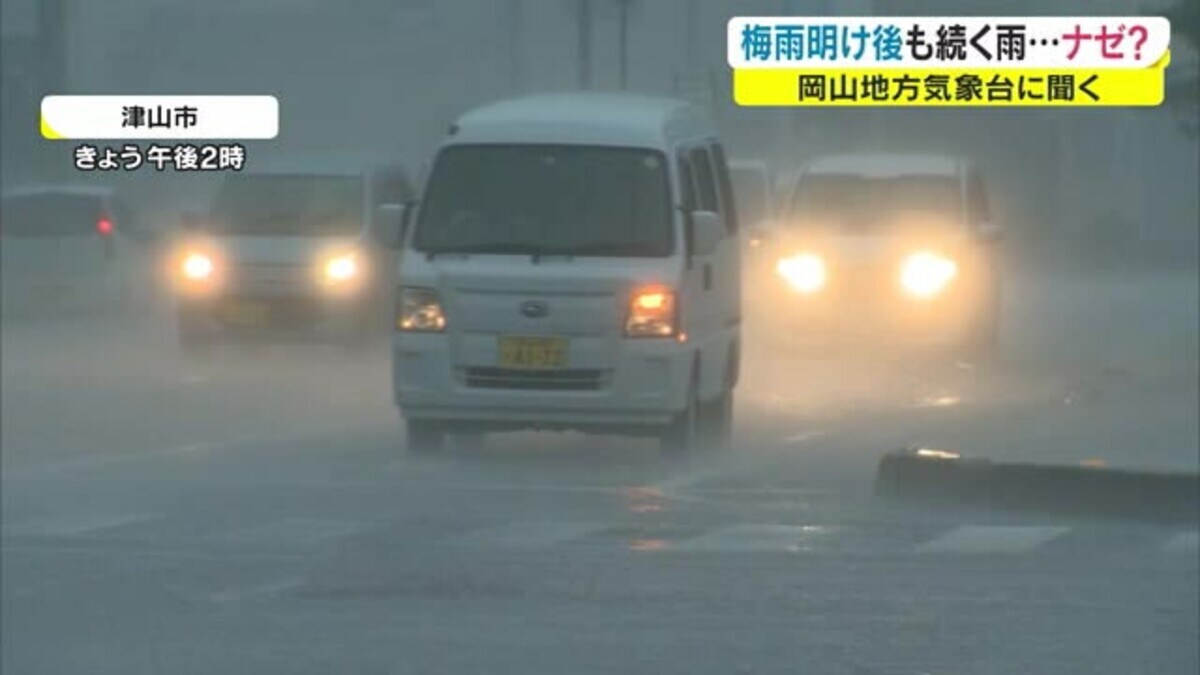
[858, 203]
[288, 206]
[50, 215]
[547, 199]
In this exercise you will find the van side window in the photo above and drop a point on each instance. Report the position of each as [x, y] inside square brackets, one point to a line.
[977, 201]
[725, 186]
[706, 186]
[687, 184]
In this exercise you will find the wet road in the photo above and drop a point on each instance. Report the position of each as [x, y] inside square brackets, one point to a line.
[255, 513]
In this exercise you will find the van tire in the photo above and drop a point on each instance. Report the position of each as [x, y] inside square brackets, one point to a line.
[423, 438]
[679, 439]
[719, 426]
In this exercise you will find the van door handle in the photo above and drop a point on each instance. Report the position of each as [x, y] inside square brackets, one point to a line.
[707, 276]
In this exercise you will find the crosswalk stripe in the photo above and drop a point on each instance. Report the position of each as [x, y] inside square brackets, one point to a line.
[1184, 542]
[74, 526]
[530, 534]
[298, 531]
[263, 590]
[984, 539]
[758, 538]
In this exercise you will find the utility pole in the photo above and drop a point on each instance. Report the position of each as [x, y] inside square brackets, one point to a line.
[689, 27]
[52, 45]
[516, 46]
[585, 44]
[623, 40]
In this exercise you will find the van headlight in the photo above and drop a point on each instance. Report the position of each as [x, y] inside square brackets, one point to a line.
[419, 311]
[197, 267]
[805, 272]
[341, 268]
[925, 274]
[651, 312]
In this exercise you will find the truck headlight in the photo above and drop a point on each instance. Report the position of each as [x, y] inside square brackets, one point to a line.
[926, 274]
[804, 272]
[419, 311]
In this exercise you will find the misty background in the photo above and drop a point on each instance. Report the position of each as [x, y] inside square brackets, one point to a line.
[380, 80]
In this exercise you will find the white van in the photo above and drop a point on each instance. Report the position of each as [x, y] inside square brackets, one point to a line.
[285, 255]
[573, 265]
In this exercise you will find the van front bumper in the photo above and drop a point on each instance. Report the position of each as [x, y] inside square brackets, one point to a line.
[642, 390]
[276, 318]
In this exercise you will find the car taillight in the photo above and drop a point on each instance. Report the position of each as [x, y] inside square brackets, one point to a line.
[104, 227]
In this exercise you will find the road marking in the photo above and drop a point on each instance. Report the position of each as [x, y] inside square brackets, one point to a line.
[161, 453]
[530, 534]
[803, 437]
[983, 539]
[270, 588]
[683, 481]
[74, 526]
[89, 549]
[1184, 542]
[296, 531]
[758, 538]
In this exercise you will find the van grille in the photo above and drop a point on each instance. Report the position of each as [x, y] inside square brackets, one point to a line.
[540, 380]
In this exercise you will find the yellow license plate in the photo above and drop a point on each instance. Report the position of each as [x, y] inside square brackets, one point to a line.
[533, 352]
[245, 313]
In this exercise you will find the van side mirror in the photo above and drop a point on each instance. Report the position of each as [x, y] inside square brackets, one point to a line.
[389, 225]
[707, 232]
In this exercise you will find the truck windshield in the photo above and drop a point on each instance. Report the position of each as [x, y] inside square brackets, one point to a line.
[288, 206]
[549, 199]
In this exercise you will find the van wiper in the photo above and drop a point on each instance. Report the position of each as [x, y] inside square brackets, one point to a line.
[609, 248]
[496, 247]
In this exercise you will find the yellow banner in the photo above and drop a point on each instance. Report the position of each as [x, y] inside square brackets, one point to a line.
[950, 87]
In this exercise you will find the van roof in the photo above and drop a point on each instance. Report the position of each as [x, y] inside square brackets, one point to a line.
[80, 190]
[882, 165]
[591, 118]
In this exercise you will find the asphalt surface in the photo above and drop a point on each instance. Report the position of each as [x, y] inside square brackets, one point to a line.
[255, 513]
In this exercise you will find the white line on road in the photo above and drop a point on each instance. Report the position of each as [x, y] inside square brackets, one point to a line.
[987, 539]
[758, 538]
[677, 485]
[270, 588]
[803, 437]
[99, 462]
[74, 526]
[300, 531]
[530, 534]
[1184, 542]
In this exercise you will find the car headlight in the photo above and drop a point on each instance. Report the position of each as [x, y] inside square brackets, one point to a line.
[651, 313]
[341, 268]
[418, 310]
[926, 274]
[197, 267]
[804, 272]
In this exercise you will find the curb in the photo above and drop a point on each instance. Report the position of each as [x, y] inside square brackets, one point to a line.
[949, 479]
